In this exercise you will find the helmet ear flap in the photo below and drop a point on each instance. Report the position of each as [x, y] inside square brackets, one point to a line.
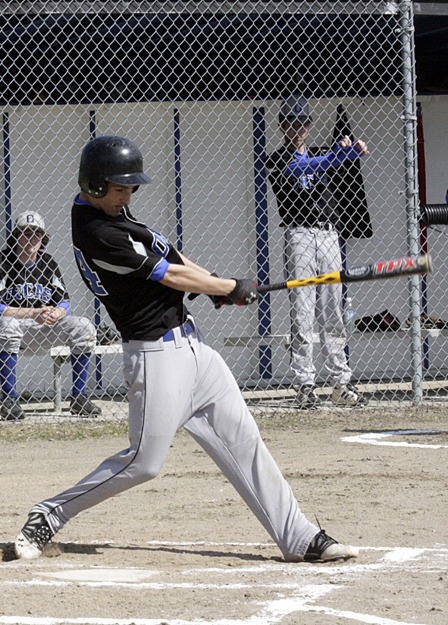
[96, 188]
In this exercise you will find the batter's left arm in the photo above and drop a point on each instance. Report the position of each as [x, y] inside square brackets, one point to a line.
[189, 263]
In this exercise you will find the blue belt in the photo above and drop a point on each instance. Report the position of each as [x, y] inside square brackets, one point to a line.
[185, 329]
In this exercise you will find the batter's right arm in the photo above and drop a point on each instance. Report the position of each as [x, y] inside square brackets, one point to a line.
[222, 291]
[194, 279]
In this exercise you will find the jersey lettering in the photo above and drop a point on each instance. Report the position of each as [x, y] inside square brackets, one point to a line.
[159, 245]
[90, 276]
[309, 181]
[27, 292]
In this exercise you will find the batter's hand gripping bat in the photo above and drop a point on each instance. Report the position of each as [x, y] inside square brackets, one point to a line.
[381, 270]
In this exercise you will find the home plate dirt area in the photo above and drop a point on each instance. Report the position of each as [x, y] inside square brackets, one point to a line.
[183, 549]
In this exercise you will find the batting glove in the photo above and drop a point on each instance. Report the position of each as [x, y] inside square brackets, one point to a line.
[244, 293]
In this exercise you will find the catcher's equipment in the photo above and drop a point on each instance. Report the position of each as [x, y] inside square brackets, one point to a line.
[244, 293]
[110, 159]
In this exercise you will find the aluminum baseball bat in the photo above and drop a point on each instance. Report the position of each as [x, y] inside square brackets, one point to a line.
[381, 270]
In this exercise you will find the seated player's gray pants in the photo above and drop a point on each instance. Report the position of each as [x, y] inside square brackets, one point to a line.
[29, 336]
[185, 383]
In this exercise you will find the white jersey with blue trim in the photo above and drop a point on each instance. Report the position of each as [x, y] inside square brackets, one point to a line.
[122, 261]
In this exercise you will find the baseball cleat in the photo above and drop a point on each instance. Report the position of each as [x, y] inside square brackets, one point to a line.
[347, 395]
[306, 398]
[83, 407]
[11, 410]
[323, 548]
[33, 537]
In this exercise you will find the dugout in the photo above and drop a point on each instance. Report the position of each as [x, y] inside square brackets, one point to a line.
[198, 86]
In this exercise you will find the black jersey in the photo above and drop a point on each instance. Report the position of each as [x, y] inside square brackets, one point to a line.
[122, 261]
[302, 200]
[34, 286]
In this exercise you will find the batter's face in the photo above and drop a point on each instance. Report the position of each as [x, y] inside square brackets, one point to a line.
[116, 197]
[296, 132]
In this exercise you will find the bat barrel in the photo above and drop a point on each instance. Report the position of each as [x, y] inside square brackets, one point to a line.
[426, 263]
[381, 270]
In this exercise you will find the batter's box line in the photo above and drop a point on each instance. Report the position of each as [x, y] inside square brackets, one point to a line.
[137, 578]
[378, 438]
[205, 543]
[397, 554]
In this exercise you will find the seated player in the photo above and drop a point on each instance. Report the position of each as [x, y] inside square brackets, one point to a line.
[35, 314]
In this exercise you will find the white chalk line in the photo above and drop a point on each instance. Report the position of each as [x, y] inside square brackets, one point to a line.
[131, 578]
[272, 614]
[378, 438]
[273, 611]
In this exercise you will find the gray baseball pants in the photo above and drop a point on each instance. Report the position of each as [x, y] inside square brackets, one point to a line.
[308, 252]
[185, 383]
[28, 335]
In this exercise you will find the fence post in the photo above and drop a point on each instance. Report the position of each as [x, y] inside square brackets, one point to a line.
[411, 190]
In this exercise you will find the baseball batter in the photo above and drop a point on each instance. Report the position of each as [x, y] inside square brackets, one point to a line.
[174, 378]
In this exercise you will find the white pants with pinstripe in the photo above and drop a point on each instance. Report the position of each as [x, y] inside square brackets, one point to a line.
[185, 383]
[308, 252]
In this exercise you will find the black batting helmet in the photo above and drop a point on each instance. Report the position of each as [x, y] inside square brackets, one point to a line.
[110, 159]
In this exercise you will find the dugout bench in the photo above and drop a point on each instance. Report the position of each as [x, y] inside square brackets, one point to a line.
[61, 354]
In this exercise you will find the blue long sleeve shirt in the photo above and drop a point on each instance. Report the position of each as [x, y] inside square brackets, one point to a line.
[301, 184]
[303, 164]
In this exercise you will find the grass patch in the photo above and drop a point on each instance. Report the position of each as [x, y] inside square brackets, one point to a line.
[24, 432]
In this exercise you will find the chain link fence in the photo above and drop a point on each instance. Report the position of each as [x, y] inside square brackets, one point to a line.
[199, 87]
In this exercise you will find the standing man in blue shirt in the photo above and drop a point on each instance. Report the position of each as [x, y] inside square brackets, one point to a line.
[309, 216]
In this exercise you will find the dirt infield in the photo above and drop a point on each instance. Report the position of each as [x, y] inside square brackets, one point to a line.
[184, 550]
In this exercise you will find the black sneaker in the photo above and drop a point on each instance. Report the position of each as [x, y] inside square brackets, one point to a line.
[33, 537]
[11, 410]
[83, 407]
[306, 398]
[323, 548]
